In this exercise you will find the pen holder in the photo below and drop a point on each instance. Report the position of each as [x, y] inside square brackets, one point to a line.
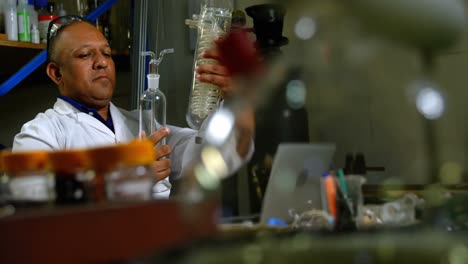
[355, 197]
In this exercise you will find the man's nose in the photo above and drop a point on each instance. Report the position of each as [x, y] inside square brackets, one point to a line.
[101, 61]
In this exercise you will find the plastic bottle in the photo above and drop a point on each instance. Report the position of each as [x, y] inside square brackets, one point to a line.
[44, 17]
[35, 35]
[214, 20]
[11, 20]
[24, 28]
[33, 18]
[153, 101]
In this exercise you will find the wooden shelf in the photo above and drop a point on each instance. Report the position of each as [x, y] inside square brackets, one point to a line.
[17, 44]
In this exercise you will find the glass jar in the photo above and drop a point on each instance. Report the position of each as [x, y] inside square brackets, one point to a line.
[133, 178]
[102, 160]
[3, 181]
[29, 183]
[73, 182]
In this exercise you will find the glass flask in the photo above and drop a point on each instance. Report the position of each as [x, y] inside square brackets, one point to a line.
[214, 21]
[152, 115]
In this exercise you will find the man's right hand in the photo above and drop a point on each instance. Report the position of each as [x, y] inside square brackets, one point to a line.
[162, 164]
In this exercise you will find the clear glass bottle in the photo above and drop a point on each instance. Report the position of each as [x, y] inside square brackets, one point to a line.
[72, 178]
[214, 21]
[152, 108]
[102, 160]
[133, 178]
[29, 182]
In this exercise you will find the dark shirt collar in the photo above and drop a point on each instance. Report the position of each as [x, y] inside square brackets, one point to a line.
[90, 111]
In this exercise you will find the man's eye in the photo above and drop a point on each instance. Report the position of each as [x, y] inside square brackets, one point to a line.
[107, 54]
[85, 55]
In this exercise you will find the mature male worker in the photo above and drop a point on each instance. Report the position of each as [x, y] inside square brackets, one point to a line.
[83, 116]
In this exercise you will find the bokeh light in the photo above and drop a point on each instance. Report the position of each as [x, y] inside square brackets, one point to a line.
[451, 173]
[296, 93]
[430, 103]
[214, 162]
[392, 188]
[204, 178]
[220, 127]
[305, 28]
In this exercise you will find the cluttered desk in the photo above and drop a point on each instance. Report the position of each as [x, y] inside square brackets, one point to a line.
[305, 216]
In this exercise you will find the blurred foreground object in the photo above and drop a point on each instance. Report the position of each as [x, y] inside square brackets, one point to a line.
[282, 114]
[29, 183]
[268, 22]
[104, 233]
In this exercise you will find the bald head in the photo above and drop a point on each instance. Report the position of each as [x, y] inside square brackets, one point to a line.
[81, 64]
[52, 54]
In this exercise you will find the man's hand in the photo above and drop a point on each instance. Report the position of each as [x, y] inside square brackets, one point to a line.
[162, 164]
[216, 74]
[219, 75]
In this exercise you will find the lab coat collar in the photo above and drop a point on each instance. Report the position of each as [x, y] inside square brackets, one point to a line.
[121, 125]
[64, 108]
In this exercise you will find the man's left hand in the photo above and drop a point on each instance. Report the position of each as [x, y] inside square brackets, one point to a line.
[162, 164]
[216, 74]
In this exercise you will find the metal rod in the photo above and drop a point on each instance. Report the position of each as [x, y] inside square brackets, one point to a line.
[139, 44]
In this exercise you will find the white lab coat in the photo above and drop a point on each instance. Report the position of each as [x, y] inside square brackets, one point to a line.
[65, 127]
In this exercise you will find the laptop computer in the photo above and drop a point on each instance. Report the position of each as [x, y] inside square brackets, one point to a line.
[294, 182]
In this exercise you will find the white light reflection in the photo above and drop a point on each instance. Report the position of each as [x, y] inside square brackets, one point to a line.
[214, 162]
[296, 94]
[305, 28]
[220, 127]
[204, 178]
[430, 103]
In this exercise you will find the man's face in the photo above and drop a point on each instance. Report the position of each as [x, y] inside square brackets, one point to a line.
[86, 67]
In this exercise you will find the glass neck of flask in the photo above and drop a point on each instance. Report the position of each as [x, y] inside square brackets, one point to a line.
[153, 68]
[153, 82]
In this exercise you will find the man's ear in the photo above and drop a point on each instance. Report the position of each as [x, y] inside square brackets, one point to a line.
[53, 71]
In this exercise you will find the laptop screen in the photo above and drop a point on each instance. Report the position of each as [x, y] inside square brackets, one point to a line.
[294, 182]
